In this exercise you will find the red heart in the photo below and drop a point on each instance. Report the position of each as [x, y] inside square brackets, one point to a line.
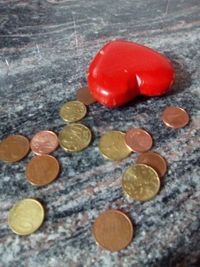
[121, 70]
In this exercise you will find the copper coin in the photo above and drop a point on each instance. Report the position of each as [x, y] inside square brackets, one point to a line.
[138, 140]
[44, 142]
[14, 148]
[42, 170]
[154, 160]
[113, 230]
[83, 94]
[175, 117]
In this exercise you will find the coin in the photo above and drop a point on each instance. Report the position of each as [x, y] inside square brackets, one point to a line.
[175, 117]
[83, 95]
[113, 230]
[42, 170]
[112, 145]
[14, 148]
[138, 139]
[75, 137]
[154, 160]
[140, 182]
[73, 111]
[26, 216]
[44, 142]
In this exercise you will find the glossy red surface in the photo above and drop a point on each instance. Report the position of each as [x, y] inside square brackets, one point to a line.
[121, 70]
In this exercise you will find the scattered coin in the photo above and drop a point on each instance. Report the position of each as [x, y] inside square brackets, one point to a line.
[26, 216]
[138, 140]
[42, 170]
[75, 137]
[83, 95]
[112, 145]
[44, 142]
[14, 148]
[113, 230]
[175, 117]
[140, 182]
[154, 160]
[73, 111]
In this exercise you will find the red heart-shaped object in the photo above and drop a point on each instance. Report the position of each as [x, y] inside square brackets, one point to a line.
[121, 70]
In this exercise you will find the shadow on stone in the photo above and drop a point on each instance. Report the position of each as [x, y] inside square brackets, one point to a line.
[183, 78]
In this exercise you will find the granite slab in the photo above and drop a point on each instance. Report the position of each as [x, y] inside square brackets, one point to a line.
[45, 48]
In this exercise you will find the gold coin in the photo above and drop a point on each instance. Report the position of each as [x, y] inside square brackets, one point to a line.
[73, 111]
[75, 137]
[14, 148]
[112, 145]
[26, 216]
[140, 182]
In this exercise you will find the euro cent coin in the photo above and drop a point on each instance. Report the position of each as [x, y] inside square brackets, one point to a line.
[140, 182]
[138, 140]
[112, 145]
[83, 95]
[175, 117]
[42, 170]
[44, 142]
[14, 148]
[75, 137]
[73, 111]
[113, 230]
[154, 160]
[26, 216]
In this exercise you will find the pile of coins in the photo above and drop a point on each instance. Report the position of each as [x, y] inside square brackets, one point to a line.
[112, 230]
[27, 215]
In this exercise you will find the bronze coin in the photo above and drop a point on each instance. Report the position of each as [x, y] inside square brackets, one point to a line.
[44, 142]
[154, 160]
[113, 230]
[14, 148]
[42, 170]
[175, 117]
[83, 94]
[138, 140]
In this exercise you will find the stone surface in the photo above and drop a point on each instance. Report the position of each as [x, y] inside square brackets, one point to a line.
[45, 48]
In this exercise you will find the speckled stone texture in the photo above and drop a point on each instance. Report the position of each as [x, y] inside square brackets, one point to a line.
[45, 48]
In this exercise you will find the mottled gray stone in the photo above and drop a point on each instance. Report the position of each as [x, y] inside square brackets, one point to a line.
[45, 48]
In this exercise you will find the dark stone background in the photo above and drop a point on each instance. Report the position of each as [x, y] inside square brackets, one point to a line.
[45, 49]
